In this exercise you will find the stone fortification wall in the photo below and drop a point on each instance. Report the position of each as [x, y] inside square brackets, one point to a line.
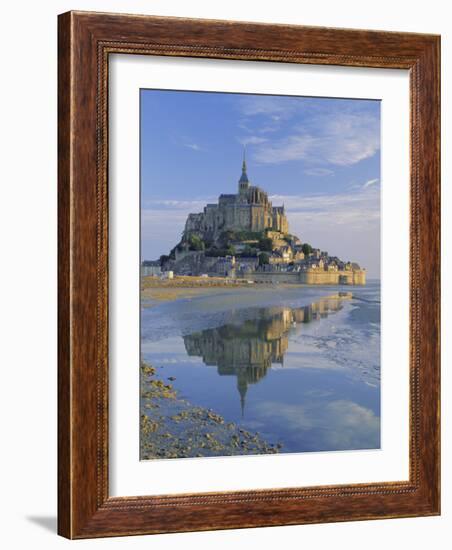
[310, 277]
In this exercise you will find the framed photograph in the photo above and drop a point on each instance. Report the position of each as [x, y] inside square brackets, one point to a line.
[248, 275]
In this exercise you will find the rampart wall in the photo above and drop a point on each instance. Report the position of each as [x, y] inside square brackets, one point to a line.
[309, 277]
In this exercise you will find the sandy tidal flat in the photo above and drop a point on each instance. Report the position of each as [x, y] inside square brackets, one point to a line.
[155, 290]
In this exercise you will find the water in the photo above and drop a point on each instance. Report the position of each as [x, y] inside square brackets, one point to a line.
[298, 365]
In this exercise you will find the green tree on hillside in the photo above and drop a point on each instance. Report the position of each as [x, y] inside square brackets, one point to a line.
[196, 243]
[266, 244]
[264, 259]
[249, 252]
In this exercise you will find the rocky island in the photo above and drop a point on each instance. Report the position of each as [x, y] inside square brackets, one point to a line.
[244, 236]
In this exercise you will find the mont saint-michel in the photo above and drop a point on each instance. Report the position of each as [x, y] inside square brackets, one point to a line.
[259, 286]
[244, 236]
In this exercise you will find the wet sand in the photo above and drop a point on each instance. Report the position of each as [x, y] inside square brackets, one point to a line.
[155, 290]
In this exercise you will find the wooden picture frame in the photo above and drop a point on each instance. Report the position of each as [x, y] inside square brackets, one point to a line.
[85, 42]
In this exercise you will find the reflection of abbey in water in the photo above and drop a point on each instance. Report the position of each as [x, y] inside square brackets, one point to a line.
[249, 348]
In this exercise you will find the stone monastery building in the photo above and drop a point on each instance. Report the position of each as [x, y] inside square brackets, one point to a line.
[247, 210]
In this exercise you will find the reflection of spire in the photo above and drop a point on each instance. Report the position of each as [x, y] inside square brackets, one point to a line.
[242, 386]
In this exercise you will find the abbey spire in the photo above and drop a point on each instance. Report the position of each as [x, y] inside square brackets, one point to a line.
[243, 181]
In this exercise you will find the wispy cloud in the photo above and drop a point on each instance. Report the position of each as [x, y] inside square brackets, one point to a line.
[341, 140]
[318, 172]
[174, 204]
[276, 108]
[193, 146]
[268, 129]
[370, 182]
[329, 210]
[312, 134]
[251, 140]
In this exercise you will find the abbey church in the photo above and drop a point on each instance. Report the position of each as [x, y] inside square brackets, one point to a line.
[247, 210]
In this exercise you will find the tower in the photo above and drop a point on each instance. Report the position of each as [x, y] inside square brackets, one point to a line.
[243, 181]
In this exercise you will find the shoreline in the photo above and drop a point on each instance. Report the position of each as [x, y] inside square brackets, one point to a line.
[172, 427]
[154, 291]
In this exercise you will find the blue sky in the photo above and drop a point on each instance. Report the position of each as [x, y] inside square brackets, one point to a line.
[320, 157]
